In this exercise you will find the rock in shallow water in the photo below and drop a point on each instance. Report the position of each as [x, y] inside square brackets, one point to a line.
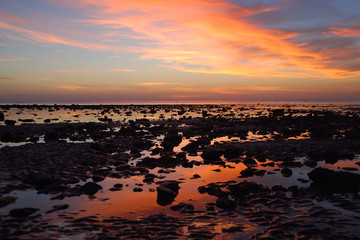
[167, 192]
[90, 188]
[286, 172]
[329, 181]
[22, 212]
[4, 201]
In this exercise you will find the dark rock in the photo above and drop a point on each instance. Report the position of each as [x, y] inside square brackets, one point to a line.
[26, 120]
[2, 117]
[202, 189]
[166, 192]
[40, 179]
[331, 156]
[58, 208]
[249, 162]
[303, 180]
[22, 212]
[310, 163]
[98, 178]
[10, 122]
[51, 137]
[171, 140]
[118, 185]
[90, 188]
[225, 203]
[211, 155]
[196, 176]
[4, 201]
[278, 188]
[191, 147]
[137, 189]
[286, 172]
[249, 172]
[244, 188]
[329, 181]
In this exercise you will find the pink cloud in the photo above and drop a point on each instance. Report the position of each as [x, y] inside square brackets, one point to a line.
[73, 70]
[121, 70]
[13, 59]
[202, 36]
[73, 87]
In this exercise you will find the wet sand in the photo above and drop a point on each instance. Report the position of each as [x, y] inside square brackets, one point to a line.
[180, 172]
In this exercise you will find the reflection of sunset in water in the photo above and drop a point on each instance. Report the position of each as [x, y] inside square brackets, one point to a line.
[129, 204]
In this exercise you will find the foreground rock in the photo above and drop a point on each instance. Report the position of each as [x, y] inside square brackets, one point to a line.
[167, 192]
[22, 212]
[329, 181]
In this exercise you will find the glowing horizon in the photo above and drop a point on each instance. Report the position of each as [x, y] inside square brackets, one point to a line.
[192, 50]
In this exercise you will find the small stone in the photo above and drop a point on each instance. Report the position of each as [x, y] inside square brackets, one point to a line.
[22, 212]
[196, 176]
[286, 172]
[4, 201]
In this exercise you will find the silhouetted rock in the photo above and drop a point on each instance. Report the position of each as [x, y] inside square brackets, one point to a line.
[28, 120]
[166, 192]
[244, 188]
[286, 172]
[22, 212]
[225, 203]
[90, 188]
[10, 122]
[310, 163]
[325, 180]
[2, 117]
[211, 155]
[4, 201]
[51, 137]
[171, 140]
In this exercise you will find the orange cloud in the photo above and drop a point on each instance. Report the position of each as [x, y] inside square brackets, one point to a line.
[201, 36]
[121, 70]
[12, 59]
[73, 87]
[211, 37]
[155, 83]
[346, 32]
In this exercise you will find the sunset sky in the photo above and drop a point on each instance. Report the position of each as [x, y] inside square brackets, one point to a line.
[114, 51]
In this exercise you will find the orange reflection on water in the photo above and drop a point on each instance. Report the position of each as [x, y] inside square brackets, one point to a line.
[302, 136]
[129, 204]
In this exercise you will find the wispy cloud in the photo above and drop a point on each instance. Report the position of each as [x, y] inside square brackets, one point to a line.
[73, 87]
[13, 59]
[73, 70]
[121, 70]
[201, 36]
[8, 78]
[155, 83]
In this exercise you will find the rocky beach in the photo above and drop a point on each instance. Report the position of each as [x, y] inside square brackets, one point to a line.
[240, 171]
